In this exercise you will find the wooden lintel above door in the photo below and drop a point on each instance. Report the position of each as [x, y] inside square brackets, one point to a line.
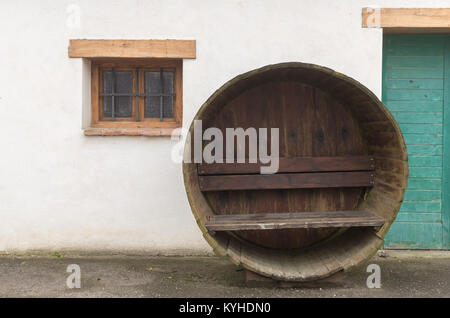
[407, 20]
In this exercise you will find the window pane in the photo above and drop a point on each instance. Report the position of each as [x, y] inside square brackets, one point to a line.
[153, 86]
[122, 104]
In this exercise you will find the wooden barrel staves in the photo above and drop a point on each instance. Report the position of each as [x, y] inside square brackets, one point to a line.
[341, 176]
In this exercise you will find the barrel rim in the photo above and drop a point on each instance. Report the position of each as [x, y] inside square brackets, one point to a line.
[224, 246]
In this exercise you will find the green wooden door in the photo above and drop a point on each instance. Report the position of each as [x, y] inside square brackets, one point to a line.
[416, 89]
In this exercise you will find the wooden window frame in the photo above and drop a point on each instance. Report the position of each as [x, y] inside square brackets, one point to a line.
[144, 54]
[100, 65]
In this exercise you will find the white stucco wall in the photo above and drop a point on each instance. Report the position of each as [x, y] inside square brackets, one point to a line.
[61, 189]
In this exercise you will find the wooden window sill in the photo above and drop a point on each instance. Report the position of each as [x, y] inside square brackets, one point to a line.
[149, 132]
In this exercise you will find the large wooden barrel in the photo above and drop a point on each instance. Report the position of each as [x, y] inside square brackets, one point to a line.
[319, 113]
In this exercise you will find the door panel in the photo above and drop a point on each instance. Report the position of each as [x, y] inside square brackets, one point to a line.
[414, 91]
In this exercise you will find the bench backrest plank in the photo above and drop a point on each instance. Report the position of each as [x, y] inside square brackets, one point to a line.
[294, 164]
[287, 181]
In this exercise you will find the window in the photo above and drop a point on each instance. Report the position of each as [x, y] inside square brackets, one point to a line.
[135, 86]
[136, 93]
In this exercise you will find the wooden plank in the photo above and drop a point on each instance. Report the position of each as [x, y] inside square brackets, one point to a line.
[424, 183]
[415, 31]
[417, 117]
[286, 215]
[422, 139]
[415, 61]
[295, 164]
[411, 235]
[416, 84]
[406, 17]
[133, 48]
[287, 181]
[425, 172]
[95, 116]
[292, 220]
[421, 206]
[419, 217]
[410, 41]
[414, 95]
[425, 149]
[421, 128]
[422, 195]
[398, 49]
[129, 131]
[415, 73]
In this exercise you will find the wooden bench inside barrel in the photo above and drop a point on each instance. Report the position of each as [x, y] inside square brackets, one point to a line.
[293, 173]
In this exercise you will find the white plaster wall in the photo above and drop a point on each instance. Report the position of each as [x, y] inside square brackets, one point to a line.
[61, 189]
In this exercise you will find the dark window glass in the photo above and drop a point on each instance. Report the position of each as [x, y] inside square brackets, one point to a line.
[122, 104]
[154, 86]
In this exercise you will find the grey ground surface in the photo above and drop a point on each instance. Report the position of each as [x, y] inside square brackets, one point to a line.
[403, 274]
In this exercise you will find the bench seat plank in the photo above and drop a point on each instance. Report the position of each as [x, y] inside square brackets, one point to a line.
[287, 181]
[272, 221]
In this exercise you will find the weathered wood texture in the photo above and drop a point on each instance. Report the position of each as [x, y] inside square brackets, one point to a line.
[319, 113]
[133, 48]
[288, 181]
[295, 164]
[273, 221]
[406, 17]
[326, 129]
[414, 90]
